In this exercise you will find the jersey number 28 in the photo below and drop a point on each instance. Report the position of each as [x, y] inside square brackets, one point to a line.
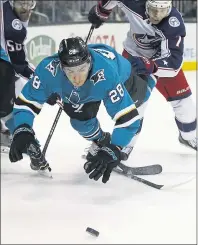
[116, 94]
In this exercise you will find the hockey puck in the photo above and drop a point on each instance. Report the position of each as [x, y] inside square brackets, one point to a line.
[92, 232]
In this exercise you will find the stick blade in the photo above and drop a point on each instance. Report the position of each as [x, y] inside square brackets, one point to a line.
[145, 170]
[134, 177]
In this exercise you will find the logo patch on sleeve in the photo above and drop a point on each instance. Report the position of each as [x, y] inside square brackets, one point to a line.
[98, 76]
[53, 67]
[17, 25]
[174, 22]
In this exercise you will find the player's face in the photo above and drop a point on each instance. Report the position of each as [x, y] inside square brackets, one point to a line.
[23, 8]
[157, 14]
[78, 74]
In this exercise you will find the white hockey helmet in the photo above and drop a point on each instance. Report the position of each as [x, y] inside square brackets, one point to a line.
[158, 10]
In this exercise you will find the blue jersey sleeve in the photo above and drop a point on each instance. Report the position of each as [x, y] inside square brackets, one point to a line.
[122, 110]
[32, 97]
[172, 47]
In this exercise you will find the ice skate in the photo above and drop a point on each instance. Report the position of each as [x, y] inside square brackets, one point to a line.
[189, 143]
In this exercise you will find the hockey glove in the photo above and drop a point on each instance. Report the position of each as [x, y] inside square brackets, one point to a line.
[24, 142]
[142, 65]
[53, 99]
[95, 146]
[97, 15]
[102, 164]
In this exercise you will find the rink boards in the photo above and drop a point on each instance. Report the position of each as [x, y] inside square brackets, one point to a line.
[44, 40]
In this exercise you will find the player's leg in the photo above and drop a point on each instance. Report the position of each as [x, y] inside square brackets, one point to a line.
[150, 82]
[176, 90]
[7, 95]
[83, 120]
[137, 92]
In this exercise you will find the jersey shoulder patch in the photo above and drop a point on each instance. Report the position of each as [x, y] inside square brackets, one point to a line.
[53, 66]
[173, 21]
[17, 25]
[98, 76]
[173, 25]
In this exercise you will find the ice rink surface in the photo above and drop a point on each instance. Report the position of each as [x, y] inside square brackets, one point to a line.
[45, 211]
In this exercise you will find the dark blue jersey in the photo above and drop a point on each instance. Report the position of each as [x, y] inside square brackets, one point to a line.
[13, 35]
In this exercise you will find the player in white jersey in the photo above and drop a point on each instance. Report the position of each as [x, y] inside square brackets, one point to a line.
[157, 32]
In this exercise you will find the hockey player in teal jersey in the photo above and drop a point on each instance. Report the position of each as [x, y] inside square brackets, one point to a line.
[83, 76]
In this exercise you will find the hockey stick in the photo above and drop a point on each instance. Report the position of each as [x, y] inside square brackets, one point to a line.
[134, 177]
[90, 33]
[149, 183]
[60, 110]
[145, 170]
[52, 128]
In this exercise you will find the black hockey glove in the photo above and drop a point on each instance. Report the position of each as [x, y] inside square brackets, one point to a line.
[24, 142]
[53, 99]
[102, 164]
[22, 138]
[102, 141]
[97, 15]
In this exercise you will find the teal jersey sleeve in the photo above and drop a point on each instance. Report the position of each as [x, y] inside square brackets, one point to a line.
[31, 99]
[122, 110]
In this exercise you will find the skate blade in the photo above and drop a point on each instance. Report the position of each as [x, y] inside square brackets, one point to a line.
[45, 173]
[187, 146]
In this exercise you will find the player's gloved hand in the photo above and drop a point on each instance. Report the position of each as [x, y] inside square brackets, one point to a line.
[22, 138]
[104, 139]
[24, 142]
[142, 65]
[53, 99]
[95, 146]
[102, 164]
[97, 15]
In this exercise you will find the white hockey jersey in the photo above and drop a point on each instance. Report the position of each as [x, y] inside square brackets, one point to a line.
[163, 42]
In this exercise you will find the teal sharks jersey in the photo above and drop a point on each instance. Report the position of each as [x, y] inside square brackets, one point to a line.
[105, 83]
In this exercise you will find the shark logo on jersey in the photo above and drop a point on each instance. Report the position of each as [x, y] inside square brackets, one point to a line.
[53, 67]
[145, 41]
[98, 76]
